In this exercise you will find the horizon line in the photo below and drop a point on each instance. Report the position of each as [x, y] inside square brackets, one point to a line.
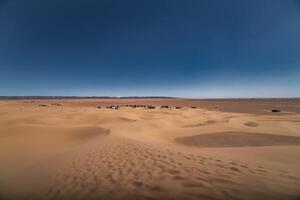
[24, 97]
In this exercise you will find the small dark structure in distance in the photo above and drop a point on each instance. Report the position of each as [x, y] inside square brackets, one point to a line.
[150, 107]
[113, 107]
[56, 104]
[275, 110]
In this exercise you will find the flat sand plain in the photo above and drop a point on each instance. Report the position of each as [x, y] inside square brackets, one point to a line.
[222, 149]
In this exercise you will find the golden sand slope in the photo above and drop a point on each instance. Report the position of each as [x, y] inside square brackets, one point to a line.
[77, 151]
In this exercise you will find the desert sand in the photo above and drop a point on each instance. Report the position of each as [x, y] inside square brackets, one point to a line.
[222, 149]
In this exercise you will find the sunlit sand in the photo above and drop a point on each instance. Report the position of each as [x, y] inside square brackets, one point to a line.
[79, 149]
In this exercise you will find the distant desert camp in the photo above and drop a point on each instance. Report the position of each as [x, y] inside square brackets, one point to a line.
[149, 149]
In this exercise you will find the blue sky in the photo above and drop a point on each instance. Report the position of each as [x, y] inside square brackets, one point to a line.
[193, 48]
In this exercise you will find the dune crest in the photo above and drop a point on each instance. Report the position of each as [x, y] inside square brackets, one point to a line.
[208, 122]
[87, 132]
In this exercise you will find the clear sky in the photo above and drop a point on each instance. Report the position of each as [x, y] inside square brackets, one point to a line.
[184, 48]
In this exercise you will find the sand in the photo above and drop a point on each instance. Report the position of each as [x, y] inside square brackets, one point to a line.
[223, 149]
[239, 139]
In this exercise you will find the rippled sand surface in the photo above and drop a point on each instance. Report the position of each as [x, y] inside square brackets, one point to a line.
[222, 149]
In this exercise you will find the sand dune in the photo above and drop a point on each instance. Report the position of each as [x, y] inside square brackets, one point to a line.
[238, 139]
[25, 145]
[208, 122]
[83, 133]
[78, 151]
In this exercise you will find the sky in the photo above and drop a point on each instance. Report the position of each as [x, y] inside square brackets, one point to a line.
[179, 48]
